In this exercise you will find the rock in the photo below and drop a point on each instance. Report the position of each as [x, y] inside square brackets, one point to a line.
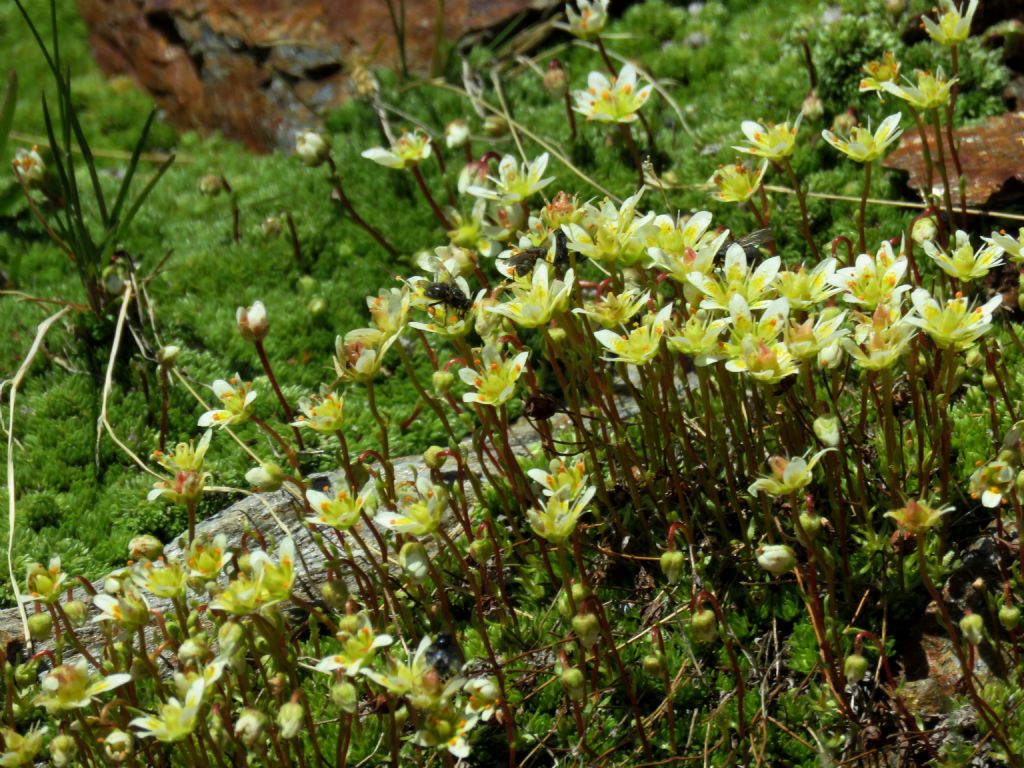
[258, 70]
[990, 155]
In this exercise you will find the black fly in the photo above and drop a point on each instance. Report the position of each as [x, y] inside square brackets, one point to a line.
[445, 655]
[449, 295]
[749, 243]
[523, 261]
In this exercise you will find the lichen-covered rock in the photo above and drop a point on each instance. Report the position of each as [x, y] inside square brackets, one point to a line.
[258, 70]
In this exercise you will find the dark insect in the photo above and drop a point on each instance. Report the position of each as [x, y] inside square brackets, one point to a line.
[561, 249]
[750, 244]
[450, 295]
[541, 407]
[523, 261]
[445, 655]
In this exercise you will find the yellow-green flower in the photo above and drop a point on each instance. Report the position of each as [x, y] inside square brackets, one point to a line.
[414, 678]
[21, 750]
[640, 345]
[237, 397]
[953, 26]
[1013, 247]
[321, 413]
[176, 720]
[571, 474]
[788, 475]
[964, 263]
[205, 559]
[992, 482]
[557, 521]
[955, 326]
[879, 340]
[918, 517]
[389, 309]
[45, 584]
[360, 355]
[186, 468]
[614, 310]
[493, 378]
[737, 279]
[72, 686]
[805, 340]
[699, 338]
[611, 234]
[275, 578]
[359, 642]
[878, 72]
[615, 100]
[736, 183]
[515, 183]
[410, 149]
[164, 579]
[591, 19]
[930, 92]
[536, 302]
[419, 512]
[872, 282]
[865, 146]
[341, 510]
[804, 288]
[771, 141]
[767, 362]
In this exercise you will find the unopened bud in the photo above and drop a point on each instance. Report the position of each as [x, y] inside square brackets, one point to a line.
[826, 428]
[481, 551]
[335, 594]
[1009, 617]
[653, 664]
[495, 126]
[924, 230]
[267, 477]
[572, 680]
[40, 625]
[145, 547]
[587, 629]
[704, 626]
[557, 335]
[249, 726]
[973, 628]
[776, 558]
[118, 745]
[167, 356]
[990, 384]
[253, 323]
[63, 750]
[456, 134]
[270, 227]
[312, 148]
[432, 457]
[344, 696]
[443, 381]
[76, 612]
[855, 668]
[555, 81]
[672, 563]
[414, 561]
[316, 306]
[289, 719]
[810, 524]
[812, 108]
[212, 185]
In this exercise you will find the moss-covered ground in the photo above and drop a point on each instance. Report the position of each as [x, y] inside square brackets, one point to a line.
[728, 62]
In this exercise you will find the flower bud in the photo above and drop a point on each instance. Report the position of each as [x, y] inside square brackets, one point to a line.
[557, 335]
[212, 185]
[844, 122]
[76, 612]
[990, 384]
[253, 323]
[974, 358]
[1009, 617]
[855, 668]
[587, 629]
[267, 477]
[270, 227]
[456, 134]
[654, 664]
[63, 750]
[414, 561]
[672, 563]
[555, 81]
[432, 457]
[776, 558]
[193, 649]
[495, 126]
[973, 627]
[924, 230]
[40, 625]
[230, 638]
[810, 524]
[443, 381]
[118, 745]
[29, 166]
[335, 594]
[813, 108]
[312, 148]
[572, 680]
[289, 719]
[167, 356]
[317, 306]
[481, 551]
[344, 696]
[249, 726]
[307, 284]
[895, 7]
[704, 626]
[826, 428]
[26, 674]
[145, 547]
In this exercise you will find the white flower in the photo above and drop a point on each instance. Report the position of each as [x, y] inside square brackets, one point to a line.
[515, 182]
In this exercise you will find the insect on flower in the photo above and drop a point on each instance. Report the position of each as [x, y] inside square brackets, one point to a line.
[449, 295]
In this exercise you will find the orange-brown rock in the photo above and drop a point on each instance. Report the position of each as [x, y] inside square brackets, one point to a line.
[258, 70]
[991, 156]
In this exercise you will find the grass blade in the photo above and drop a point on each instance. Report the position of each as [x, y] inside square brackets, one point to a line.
[133, 164]
[7, 110]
